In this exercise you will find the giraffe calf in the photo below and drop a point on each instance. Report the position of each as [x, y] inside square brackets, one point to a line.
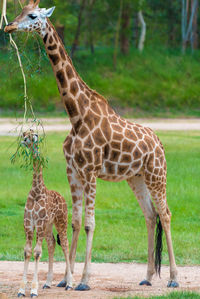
[43, 209]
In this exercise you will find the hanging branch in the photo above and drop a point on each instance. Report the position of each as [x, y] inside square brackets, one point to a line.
[20, 153]
[13, 44]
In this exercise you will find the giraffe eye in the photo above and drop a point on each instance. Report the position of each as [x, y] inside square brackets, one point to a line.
[32, 16]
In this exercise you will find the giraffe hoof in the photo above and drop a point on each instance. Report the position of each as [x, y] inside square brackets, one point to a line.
[172, 284]
[145, 283]
[20, 295]
[82, 287]
[68, 288]
[62, 284]
[45, 286]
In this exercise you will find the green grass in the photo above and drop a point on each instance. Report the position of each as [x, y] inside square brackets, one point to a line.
[157, 82]
[173, 295]
[120, 233]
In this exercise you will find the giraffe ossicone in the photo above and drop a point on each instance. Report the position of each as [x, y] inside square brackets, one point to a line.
[43, 209]
[103, 145]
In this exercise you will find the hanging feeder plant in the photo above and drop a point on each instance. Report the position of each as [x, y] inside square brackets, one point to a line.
[23, 154]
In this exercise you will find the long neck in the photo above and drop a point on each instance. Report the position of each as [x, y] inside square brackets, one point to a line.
[37, 169]
[73, 91]
[38, 181]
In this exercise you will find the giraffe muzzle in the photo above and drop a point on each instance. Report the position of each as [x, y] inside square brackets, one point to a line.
[11, 27]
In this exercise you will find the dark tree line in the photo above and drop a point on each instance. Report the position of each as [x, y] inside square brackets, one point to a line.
[122, 24]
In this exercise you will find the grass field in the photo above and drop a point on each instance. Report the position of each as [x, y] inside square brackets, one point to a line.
[173, 295]
[120, 233]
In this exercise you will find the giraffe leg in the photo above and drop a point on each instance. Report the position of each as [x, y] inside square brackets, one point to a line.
[173, 269]
[62, 229]
[89, 195]
[165, 218]
[77, 199]
[158, 192]
[143, 196]
[51, 243]
[37, 256]
[27, 255]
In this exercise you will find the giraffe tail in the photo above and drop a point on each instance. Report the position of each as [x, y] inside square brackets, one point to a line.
[158, 245]
[58, 240]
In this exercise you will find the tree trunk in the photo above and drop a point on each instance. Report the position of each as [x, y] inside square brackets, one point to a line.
[135, 29]
[171, 17]
[188, 19]
[117, 34]
[90, 22]
[194, 39]
[143, 31]
[125, 28]
[78, 29]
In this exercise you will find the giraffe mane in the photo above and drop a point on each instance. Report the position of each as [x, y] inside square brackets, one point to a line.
[94, 92]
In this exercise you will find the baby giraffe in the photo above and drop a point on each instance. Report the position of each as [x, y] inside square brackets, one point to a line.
[43, 209]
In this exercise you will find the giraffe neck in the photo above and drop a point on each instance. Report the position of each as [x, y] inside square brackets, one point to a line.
[37, 169]
[73, 91]
[38, 181]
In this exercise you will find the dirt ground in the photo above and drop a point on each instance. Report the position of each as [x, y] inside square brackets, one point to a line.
[10, 126]
[107, 280]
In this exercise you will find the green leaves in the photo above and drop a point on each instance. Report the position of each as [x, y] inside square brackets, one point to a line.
[29, 157]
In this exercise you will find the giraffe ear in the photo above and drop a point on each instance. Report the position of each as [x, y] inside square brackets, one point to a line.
[48, 12]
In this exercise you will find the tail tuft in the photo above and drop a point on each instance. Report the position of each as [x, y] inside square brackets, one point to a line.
[158, 245]
[58, 240]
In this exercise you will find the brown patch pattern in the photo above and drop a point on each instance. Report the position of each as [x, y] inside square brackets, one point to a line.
[61, 78]
[54, 58]
[69, 72]
[74, 88]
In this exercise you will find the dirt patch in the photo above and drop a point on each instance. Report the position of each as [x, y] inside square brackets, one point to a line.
[107, 280]
[9, 126]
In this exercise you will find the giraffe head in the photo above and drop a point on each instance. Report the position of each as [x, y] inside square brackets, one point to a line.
[30, 140]
[31, 151]
[32, 18]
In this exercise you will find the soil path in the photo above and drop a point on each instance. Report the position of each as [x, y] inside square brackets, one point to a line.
[8, 126]
[107, 280]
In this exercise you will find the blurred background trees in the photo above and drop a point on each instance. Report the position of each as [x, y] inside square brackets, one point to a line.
[93, 23]
[107, 36]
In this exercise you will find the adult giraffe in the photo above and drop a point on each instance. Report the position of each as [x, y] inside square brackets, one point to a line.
[102, 145]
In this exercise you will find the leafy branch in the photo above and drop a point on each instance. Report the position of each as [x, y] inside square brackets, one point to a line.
[23, 154]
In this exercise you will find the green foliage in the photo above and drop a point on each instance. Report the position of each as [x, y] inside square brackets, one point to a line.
[27, 157]
[120, 233]
[156, 81]
[163, 20]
